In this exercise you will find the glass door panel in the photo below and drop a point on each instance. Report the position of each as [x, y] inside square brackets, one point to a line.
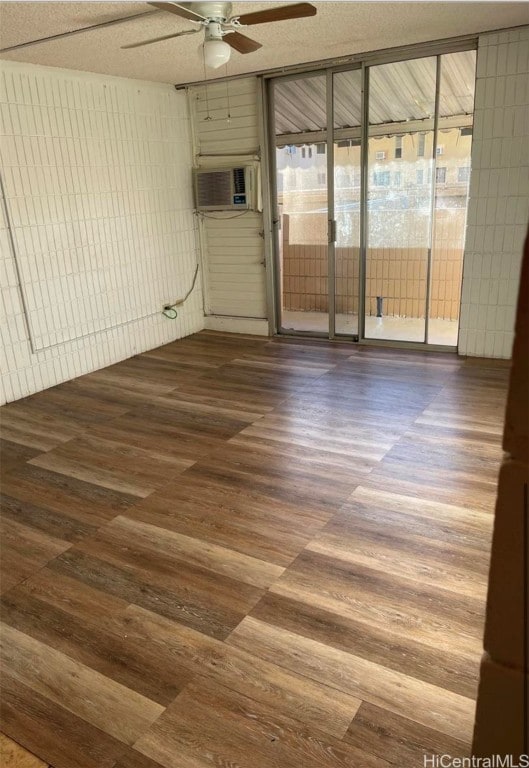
[302, 209]
[452, 178]
[347, 101]
[399, 198]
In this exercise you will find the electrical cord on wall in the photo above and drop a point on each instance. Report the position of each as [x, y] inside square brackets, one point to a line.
[223, 218]
[169, 310]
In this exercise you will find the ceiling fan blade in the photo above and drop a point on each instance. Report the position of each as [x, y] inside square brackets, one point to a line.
[159, 39]
[180, 10]
[284, 12]
[242, 43]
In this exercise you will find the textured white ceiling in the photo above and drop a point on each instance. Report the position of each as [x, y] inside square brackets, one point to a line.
[339, 29]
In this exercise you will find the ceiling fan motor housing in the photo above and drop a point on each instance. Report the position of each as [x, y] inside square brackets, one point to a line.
[213, 31]
[218, 12]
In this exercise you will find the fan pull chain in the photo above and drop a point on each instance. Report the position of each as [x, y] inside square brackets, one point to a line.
[228, 118]
[208, 116]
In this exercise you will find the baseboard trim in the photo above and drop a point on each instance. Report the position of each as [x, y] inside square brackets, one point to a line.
[249, 325]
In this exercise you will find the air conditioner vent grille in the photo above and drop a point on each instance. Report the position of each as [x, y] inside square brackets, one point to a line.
[213, 188]
[238, 181]
[222, 189]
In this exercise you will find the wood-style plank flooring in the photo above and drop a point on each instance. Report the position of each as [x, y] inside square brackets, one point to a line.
[12, 755]
[233, 551]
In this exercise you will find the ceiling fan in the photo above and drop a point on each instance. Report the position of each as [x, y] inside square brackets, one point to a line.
[218, 23]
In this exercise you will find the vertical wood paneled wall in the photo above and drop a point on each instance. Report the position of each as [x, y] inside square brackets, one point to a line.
[225, 123]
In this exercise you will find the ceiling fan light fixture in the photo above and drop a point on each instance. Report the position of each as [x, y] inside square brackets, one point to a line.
[216, 53]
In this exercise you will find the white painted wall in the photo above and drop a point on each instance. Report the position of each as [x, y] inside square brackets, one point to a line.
[97, 175]
[225, 123]
[499, 195]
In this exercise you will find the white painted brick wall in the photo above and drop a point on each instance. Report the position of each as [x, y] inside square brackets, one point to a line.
[97, 176]
[499, 195]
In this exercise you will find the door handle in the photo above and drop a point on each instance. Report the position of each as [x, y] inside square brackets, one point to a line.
[331, 230]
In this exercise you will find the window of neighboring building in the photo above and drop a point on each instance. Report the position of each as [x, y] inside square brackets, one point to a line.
[440, 150]
[420, 176]
[420, 145]
[463, 173]
[398, 147]
[303, 152]
[397, 179]
[440, 175]
[320, 149]
[381, 178]
[380, 155]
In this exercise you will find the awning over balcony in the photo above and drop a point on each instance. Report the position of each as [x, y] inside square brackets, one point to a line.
[400, 92]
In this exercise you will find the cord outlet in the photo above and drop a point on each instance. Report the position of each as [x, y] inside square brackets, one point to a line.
[169, 311]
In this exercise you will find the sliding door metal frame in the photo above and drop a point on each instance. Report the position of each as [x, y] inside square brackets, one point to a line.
[418, 345]
[433, 188]
[267, 200]
[340, 134]
[274, 206]
[304, 334]
[331, 221]
[364, 179]
[273, 224]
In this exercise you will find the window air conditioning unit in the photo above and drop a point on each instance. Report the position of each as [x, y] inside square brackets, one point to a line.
[224, 189]
[381, 155]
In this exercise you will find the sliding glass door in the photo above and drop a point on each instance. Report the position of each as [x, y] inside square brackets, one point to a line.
[302, 205]
[347, 162]
[371, 175]
[303, 246]
[452, 180]
[400, 166]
